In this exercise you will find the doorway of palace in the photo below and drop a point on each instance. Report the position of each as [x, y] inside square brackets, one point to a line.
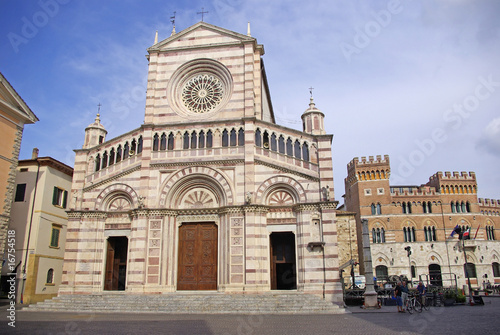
[435, 277]
[197, 257]
[116, 264]
[283, 267]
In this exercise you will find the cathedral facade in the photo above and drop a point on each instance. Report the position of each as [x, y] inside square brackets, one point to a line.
[209, 193]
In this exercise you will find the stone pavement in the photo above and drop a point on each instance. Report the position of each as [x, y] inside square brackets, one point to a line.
[462, 319]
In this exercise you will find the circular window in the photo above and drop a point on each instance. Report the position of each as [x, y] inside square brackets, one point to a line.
[202, 93]
[199, 88]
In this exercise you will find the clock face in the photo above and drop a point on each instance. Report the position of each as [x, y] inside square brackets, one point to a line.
[202, 93]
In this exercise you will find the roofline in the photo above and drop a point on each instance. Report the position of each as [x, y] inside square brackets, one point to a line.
[48, 161]
[31, 117]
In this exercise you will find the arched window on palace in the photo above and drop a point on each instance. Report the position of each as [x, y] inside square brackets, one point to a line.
[374, 211]
[186, 140]
[496, 269]
[379, 209]
[470, 269]
[381, 273]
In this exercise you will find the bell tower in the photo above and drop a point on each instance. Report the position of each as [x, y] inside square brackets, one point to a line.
[313, 120]
[95, 133]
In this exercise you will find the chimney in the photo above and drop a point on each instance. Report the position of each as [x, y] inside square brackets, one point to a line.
[34, 155]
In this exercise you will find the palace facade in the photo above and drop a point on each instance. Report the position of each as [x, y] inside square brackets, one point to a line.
[422, 217]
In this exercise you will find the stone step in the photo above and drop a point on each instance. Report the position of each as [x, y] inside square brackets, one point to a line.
[191, 303]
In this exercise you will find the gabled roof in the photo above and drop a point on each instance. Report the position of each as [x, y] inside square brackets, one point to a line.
[12, 103]
[228, 37]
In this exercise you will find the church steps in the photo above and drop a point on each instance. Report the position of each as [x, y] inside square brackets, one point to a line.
[212, 303]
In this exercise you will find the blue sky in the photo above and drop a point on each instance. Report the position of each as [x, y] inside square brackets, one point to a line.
[417, 80]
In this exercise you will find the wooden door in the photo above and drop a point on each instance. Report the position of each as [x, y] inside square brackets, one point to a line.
[116, 263]
[197, 257]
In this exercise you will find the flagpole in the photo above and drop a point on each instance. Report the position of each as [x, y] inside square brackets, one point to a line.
[471, 300]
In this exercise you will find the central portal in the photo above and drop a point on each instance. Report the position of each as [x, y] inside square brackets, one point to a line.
[283, 269]
[197, 257]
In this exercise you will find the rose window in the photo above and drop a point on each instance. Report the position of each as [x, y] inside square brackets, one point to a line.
[202, 93]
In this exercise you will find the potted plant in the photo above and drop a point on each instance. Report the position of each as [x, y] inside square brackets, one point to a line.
[450, 297]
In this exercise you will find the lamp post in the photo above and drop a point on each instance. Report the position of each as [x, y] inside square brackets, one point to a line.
[471, 300]
[408, 253]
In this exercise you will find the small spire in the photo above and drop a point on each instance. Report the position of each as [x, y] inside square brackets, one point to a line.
[172, 20]
[156, 37]
[248, 30]
[311, 100]
[98, 116]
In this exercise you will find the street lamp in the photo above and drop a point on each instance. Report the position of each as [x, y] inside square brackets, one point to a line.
[408, 253]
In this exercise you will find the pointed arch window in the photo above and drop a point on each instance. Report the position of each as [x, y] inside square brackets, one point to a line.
[98, 162]
[186, 141]
[232, 138]
[453, 210]
[496, 269]
[281, 144]
[297, 150]
[170, 143]
[305, 152]
[194, 140]
[374, 236]
[209, 139]
[104, 163]
[126, 149]
[133, 147]
[379, 209]
[241, 137]
[225, 138]
[382, 235]
[274, 146]
[429, 207]
[139, 145]
[258, 138]
[163, 142]
[111, 156]
[467, 207]
[374, 210]
[265, 140]
[201, 139]
[155, 143]
[427, 239]
[289, 147]
[464, 208]
[119, 154]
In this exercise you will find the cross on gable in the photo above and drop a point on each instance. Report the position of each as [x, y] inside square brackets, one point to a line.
[202, 12]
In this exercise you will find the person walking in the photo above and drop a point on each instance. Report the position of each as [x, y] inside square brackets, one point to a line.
[404, 294]
[421, 291]
[397, 294]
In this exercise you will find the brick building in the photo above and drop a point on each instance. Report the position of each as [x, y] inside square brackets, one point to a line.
[209, 193]
[423, 218]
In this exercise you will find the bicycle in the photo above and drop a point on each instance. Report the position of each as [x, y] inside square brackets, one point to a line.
[412, 304]
[426, 301]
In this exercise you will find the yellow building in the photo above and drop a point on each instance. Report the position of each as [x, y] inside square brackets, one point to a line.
[14, 114]
[39, 218]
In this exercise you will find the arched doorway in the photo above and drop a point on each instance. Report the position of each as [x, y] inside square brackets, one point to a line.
[435, 277]
[283, 269]
[197, 256]
[116, 264]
